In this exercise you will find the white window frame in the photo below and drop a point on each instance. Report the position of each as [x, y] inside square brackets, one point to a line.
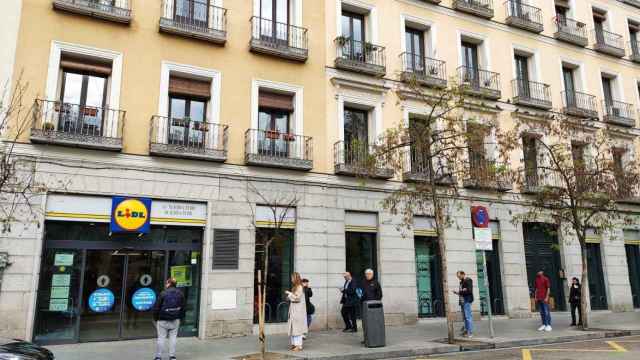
[580, 80]
[298, 102]
[295, 11]
[374, 118]
[617, 89]
[534, 63]
[429, 29]
[370, 18]
[213, 106]
[114, 83]
[484, 54]
[572, 9]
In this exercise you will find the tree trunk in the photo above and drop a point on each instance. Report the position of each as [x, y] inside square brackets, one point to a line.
[439, 217]
[263, 305]
[584, 295]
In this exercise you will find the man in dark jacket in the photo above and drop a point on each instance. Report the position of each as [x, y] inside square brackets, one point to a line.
[349, 302]
[371, 289]
[465, 292]
[167, 312]
[308, 293]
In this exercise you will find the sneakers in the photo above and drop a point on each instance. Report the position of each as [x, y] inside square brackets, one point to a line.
[547, 328]
[541, 328]
[468, 336]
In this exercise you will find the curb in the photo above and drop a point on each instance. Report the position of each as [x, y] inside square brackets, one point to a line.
[400, 353]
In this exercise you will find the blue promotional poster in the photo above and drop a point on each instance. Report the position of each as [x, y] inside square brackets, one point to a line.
[131, 215]
[101, 300]
[143, 299]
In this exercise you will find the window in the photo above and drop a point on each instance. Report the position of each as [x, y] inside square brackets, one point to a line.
[353, 30]
[274, 20]
[562, 12]
[477, 153]
[530, 152]
[634, 28]
[569, 86]
[578, 155]
[356, 127]
[274, 121]
[618, 160]
[599, 21]
[188, 100]
[415, 50]
[607, 90]
[192, 12]
[522, 75]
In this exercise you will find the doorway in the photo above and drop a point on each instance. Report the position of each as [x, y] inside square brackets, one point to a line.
[429, 277]
[597, 291]
[495, 281]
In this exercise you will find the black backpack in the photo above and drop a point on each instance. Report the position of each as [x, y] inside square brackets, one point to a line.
[172, 306]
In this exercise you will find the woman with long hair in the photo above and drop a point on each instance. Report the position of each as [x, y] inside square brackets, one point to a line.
[575, 293]
[297, 325]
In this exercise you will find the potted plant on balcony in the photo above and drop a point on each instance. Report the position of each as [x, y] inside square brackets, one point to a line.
[48, 126]
[272, 134]
[288, 137]
[342, 40]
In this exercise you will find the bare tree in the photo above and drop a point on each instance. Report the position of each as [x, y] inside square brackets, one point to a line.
[279, 205]
[447, 143]
[575, 173]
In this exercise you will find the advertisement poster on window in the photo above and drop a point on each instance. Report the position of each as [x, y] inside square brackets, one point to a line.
[182, 274]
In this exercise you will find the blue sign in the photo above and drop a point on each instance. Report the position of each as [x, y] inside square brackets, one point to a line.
[143, 299]
[101, 300]
[130, 215]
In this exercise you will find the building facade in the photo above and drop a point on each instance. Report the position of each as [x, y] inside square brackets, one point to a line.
[200, 113]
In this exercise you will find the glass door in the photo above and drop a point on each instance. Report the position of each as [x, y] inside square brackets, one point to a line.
[274, 21]
[356, 135]
[522, 76]
[192, 12]
[354, 34]
[273, 125]
[597, 292]
[569, 87]
[83, 98]
[184, 266]
[187, 122]
[428, 277]
[471, 64]
[415, 50]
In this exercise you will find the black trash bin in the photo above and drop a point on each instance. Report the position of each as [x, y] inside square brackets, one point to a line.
[373, 324]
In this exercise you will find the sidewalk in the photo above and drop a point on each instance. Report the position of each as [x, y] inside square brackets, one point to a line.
[422, 339]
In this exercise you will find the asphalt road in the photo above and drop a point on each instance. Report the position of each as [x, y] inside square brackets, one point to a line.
[624, 348]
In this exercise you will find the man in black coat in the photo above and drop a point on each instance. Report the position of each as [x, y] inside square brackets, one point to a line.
[167, 312]
[349, 302]
[371, 289]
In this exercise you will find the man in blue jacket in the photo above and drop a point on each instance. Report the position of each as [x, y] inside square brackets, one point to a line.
[167, 312]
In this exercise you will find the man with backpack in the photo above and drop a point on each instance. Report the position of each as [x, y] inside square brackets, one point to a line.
[168, 311]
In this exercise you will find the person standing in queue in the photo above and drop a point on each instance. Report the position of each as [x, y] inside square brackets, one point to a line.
[308, 293]
[168, 311]
[349, 301]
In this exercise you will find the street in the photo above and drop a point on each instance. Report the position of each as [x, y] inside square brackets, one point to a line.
[603, 349]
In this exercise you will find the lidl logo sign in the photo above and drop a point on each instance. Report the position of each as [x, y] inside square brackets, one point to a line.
[130, 215]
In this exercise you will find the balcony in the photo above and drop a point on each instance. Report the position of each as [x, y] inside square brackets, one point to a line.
[487, 175]
[415, 169]
[579, 104]
[634, 3]
[482, 83]
[481, 8]
[619, 113]
[188, 139]
[280, 150]
[432, 1]
[279, 39]
[571, 31]
[360, 57]
[634, 51]
[541, 180]
[423, 70]
[524, 16]
[358, 160]
[608, 43]
[88, 127]
[194, 19]
[111, 10]
[531, 93]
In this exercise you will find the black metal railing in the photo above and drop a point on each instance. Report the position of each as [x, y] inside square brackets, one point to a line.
[278, 35]
[186, 135]
[537, 179]
[76, 122]
[479, 79]
[120, 8]
[483, 173]
[531, 91]
[359, 157]
[424, 66]
[360, 52]
[607, 38]
[575, 100]
[634, 48]
[194, 15]
[523, 12]
[618, 110]
[570, 27]
[277, 145]
[416, 163]
[475, 4]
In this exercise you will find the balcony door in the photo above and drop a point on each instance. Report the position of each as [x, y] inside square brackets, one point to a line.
[476, 150]
[83, 98]
[353, 30]
[569, 87]
[356, 134]
[522, 75]
[471, 64]
[192, 12]
[415, 50]
[274, 21]
[598, 22]
[187, 121]
[273, 125]
[607, 90]
[633, 37]
[530, 152]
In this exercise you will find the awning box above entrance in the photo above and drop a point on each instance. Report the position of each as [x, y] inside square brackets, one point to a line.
[98, 209]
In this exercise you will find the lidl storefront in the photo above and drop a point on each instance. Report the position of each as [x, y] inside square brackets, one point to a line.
[104, 263]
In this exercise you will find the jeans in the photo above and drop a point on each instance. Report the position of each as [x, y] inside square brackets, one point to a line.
[545, 313]
[165, 328]
[468, 317]
[309, 319]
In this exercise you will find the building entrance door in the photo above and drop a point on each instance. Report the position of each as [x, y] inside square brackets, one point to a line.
[428, 277]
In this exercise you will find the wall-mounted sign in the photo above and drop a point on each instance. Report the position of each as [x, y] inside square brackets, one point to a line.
[182, 274]
[58, 304]
[143, 299]
[63, 259]
[481, 229]
[480, 216]
[59, 292]
[130, 215]
[61, 280]
[101, 300]
[146, 280]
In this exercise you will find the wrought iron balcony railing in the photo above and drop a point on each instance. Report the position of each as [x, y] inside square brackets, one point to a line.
[358, 56]
[635, 3]
[112, 10]
[571, 31]
[92, 127]
[608, 43]
[531, 93]
[523, 16]
[619, 113]
[415, 168]
[634, 51]
[423, 70]
[279, 39]
[481, 8]
[478, 82]
[579, 104]
[539, 179]
[357, 159]
[194, 18]
[487, 175]
[186, 138]
[275, 149]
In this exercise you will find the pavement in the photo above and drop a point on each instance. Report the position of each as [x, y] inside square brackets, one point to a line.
[424, 339]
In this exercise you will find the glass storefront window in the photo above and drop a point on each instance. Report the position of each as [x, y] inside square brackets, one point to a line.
[361, 254]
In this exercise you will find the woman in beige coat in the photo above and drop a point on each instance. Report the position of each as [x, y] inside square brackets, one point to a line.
[297, 312]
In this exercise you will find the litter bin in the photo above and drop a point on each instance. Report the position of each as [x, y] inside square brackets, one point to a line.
[373, 324]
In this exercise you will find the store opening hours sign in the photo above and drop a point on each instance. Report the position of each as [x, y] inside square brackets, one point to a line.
[481, 229]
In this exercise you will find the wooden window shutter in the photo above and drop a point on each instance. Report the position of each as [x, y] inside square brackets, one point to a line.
[598, 15]
[189, 87]
[226, 249]
[85, 65]
[275, 101]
